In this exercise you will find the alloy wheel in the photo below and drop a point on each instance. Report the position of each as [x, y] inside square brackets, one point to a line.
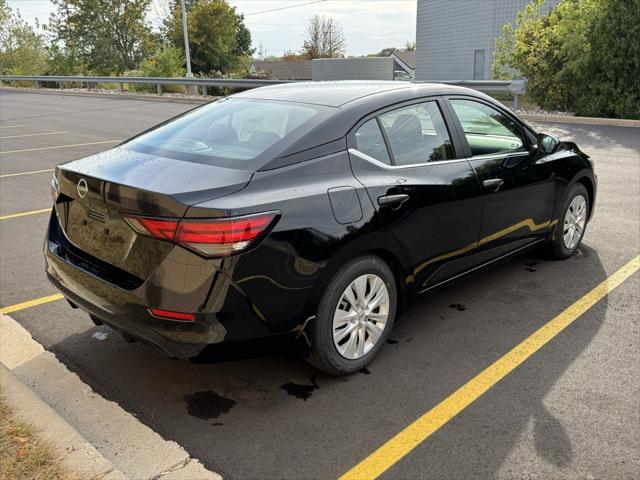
[575, 220]
[361, 316]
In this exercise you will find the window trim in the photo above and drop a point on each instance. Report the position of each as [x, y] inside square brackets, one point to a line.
[385, 137]
[528, 133]
[375, 161]
[458, 147]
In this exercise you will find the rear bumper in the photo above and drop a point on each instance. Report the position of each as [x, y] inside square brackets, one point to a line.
[224, 314]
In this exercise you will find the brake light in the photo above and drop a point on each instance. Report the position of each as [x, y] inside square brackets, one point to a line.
[154, 227]
[217, 237]
[169, 315]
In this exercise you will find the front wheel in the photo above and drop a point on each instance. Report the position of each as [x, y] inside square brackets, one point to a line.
[571, 226]
[354, 317]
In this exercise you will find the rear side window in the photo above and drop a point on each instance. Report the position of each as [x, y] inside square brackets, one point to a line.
[369, 140]
[487, 130]
[231, 132]
[417, 134]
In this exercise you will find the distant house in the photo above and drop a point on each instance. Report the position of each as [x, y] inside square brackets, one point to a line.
[397, 66]
[282, 70]
[405, 61]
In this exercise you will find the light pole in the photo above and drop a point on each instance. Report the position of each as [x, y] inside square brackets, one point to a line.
[187, 54]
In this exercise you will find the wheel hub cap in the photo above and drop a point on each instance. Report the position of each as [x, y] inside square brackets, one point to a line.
[360, 316]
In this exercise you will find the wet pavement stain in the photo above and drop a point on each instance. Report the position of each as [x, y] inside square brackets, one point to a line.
[301, 391]
[391, 341]
[409, 339]
[458, 306]
[208, 404]
[366, 371]
[530, 264]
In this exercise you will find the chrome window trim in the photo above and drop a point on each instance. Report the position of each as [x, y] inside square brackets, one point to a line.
[370, 159]
[490, 156]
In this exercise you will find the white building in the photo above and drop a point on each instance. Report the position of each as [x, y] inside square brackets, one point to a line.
[455, 39]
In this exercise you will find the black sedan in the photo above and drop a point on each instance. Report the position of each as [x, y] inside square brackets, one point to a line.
[314, 211]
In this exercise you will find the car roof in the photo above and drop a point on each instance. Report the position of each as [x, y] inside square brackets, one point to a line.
[339, 93]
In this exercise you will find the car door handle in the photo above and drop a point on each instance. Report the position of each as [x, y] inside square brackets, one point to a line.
[393, 199]
[493, 184]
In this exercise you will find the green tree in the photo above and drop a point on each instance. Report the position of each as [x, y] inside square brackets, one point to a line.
[609, 83]
[109, 36]
[549, 49]
[22, 49]
[218, 37]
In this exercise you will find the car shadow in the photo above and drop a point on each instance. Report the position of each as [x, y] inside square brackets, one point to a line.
[273, 416]
[480, 439]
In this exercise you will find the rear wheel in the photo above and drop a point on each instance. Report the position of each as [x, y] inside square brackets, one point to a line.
[354, 317]
[571, 226]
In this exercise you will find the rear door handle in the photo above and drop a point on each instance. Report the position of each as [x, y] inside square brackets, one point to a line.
[393, 199]
[493, 184]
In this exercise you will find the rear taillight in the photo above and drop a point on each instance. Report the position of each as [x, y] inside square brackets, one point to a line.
[154, 227]
[217, 237]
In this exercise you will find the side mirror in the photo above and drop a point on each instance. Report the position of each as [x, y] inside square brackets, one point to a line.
[547, 143]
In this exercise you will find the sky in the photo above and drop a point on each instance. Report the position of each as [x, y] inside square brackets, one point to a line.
[369, 25]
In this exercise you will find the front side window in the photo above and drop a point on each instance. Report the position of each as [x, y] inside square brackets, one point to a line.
[369, 140]
[417, 134]
[231, 132]
[487, 130]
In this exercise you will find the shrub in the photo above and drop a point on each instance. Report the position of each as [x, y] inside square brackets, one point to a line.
[167, 61]
[582, 56]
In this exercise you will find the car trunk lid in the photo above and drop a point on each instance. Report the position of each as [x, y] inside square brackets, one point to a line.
[97, 193]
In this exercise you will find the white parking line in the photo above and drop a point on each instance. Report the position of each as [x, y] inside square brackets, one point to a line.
[25, 173]
[12, 126]
[61, 146]
[32, 135]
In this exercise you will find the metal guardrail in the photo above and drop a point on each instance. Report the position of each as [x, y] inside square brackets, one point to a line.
[515, 87]
[92, 81]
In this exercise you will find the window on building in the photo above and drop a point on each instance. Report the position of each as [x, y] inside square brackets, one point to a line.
[478, 65]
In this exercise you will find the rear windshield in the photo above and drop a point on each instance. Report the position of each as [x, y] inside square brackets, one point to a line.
[234, 133]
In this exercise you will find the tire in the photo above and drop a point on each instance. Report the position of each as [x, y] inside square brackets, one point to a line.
[343, 358]
[560, 247]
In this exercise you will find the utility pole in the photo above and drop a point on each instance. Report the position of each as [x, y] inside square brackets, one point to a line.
[187, 53]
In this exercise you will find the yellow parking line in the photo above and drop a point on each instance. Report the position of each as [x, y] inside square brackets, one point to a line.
[24, 214]
[11, 126]
[417, 432]
[61, 146]
[30, 303]
[32, 135]
[25, 173]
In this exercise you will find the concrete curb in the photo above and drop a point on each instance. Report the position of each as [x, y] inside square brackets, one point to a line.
[103, 426]
[74, 450]
[614, 122]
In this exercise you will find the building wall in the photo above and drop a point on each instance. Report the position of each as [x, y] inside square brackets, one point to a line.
[449, 32]
[376, 68]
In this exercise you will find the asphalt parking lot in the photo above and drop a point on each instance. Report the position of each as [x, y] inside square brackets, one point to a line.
[571, 410]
